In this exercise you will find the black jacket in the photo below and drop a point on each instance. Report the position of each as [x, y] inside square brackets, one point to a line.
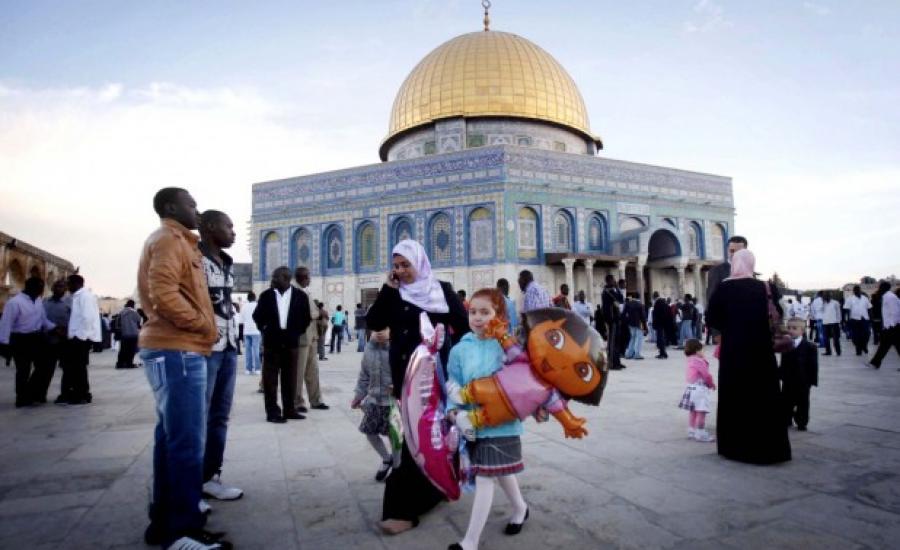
[716, 275]
[662, 315]
[634, 314]
[610, 299]
[266, 318]
[390, 310]
[800, 367]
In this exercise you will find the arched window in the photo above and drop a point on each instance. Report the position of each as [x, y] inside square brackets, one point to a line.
[527, 233]
[440, 239]
[367, 246]
[717, 242]
[403, 229]
[562, 232]
[695, 240]
[597, 232]
[481, 235]
[334, 248]
[271, 254]
[670, 222]
[301, 251]
[630, 223]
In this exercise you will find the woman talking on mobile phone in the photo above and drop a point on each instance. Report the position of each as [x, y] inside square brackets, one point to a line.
[411, 288]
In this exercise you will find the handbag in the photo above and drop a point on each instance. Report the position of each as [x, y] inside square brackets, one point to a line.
[781, 340]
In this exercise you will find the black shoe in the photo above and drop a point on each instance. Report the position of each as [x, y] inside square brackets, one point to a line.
[323, 359]
[62, 400]
[321, 407]
[383, 471]
[294, 416]
[276, 419]
[455, 546]
[874, 366]
[515, 528]
[78, 401]
[662, 356]
[302, 409]
[24, 403]
[152, 535]
[826, 353]
[801, 428]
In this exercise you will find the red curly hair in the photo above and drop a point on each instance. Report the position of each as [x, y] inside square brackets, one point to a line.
[496, 298]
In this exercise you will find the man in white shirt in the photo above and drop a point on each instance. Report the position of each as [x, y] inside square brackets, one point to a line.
[84, 331]
[251, 336]
[890, 315]
[857, 306]
[816, 310]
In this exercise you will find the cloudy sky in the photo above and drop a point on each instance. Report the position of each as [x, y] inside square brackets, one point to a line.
[103, 102]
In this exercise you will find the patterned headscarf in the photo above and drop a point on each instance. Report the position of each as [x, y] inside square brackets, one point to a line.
[742, 264]
[425, 291]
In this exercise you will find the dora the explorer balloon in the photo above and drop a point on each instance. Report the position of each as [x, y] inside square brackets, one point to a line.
[564, 361]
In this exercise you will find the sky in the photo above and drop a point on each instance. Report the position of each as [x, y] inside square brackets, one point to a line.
[104, 102]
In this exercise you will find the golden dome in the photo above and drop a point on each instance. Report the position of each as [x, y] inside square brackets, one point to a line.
[488, 74]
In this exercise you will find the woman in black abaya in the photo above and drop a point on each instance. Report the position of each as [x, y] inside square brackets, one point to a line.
[749, 424]
[410, 290]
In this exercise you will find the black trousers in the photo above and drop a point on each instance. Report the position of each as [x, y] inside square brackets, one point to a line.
[127, 349]
[796, 402]
[661, 342]
[279, 362]
[43, 374]
[859, 333]
[612, 345]
[889, 337]
[27, 352]
[832, 332]
[76, 357]
[336, 332]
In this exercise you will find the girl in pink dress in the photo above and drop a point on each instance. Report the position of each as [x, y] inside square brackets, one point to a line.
[696, 396]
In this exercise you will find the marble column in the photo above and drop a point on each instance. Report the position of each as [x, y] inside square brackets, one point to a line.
[680, 268]
[699, 295]
[622, 265]
[569, 264]
[641, 262]
[589, 271]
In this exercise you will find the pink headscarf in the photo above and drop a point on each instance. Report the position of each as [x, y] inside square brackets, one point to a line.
[742, 264]
[425, 291]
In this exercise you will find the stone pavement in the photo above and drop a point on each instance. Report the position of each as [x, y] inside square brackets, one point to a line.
[78, 476]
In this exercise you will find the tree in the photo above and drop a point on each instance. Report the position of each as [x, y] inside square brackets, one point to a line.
[776, 280]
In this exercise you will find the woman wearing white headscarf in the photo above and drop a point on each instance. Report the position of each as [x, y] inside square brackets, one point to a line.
[411, 288]
[750, 424]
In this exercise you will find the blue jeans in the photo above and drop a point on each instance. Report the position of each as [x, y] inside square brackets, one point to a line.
[221, 371]
[820, 331]
[635, 343]
[178, 381]
[360, 340]
[686, 332]
[251, 353]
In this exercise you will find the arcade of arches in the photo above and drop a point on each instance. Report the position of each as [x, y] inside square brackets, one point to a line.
[662, 265]
[20, 260]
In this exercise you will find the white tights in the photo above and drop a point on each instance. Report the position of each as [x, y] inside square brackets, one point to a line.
[481, 506]
[378, 444]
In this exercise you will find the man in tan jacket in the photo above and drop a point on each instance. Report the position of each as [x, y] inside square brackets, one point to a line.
[175, 342]
[308, 356]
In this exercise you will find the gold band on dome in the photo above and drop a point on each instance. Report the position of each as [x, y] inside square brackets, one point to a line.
[487, 74]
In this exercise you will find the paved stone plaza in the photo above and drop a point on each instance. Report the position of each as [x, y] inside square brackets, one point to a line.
[78, 476]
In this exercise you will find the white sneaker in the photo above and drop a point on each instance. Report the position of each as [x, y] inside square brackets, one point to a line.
[187, 543]
[692, 433]
[704, 436]
[215, 489]
[204, 507]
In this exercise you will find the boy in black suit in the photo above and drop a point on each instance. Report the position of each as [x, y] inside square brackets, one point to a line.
[282, 315]
[799, 370]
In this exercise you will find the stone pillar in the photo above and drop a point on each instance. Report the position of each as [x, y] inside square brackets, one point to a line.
[569, 264]
[622, 265]
[698, 284]
[680, 268]
[641, 262]
[589, 271]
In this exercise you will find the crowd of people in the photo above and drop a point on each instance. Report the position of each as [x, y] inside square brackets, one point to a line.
[190, 333]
